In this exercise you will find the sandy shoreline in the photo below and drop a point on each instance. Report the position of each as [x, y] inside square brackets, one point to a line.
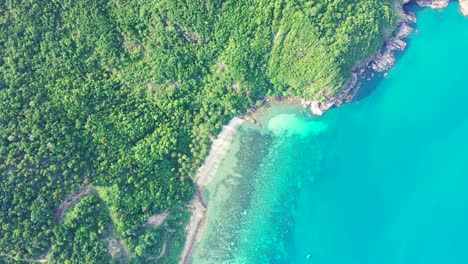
[220, 146]
[218, 150]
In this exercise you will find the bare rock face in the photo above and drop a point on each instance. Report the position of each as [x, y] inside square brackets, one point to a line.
[464, 7]
[407, 16]
[382, 61]
[386, 58]
[403, 31]
[345, 95]
[316, 108]
[433, 3]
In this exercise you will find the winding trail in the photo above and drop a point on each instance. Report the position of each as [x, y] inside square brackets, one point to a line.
[59, 214]
[69, 201]
[45, 259]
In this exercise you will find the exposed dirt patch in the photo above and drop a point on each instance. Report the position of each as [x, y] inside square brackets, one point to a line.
[161, 254]
[221, 67]
[45, 259]
[236, 87]
[192, 38]
[116, 248]
[157, 220]
[188, 36]
[131, 46]
[277, 36]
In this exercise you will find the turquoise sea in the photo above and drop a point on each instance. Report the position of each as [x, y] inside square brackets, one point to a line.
[381, 180]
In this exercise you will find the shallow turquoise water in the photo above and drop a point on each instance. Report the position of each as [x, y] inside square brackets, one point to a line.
[382, 180]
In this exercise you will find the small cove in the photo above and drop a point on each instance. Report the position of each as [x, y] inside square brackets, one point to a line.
[381, 180]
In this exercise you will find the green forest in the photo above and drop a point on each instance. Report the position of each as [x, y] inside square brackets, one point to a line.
[124, 97]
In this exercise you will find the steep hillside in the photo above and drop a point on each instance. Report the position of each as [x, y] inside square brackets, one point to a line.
[125, 97]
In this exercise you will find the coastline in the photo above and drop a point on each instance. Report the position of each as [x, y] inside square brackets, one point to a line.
[198, 206]
[382, 61]
[378, 63]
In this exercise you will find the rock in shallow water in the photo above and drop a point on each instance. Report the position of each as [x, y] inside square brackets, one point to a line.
[464, 7]
[386, 58]
[433, 3]
[403, 31]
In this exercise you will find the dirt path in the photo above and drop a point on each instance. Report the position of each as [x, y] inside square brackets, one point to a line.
[69, 201]
[59, 213]
[45, 259]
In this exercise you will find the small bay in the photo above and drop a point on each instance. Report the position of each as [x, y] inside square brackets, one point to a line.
[381, 180]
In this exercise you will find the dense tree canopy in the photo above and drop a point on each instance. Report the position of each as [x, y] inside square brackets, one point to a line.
[126, 96]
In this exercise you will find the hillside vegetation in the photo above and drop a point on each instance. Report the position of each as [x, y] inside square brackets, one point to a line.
[126, 96]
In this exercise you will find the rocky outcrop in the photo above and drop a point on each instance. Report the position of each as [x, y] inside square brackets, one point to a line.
[345, 95]
[156, 220]
[70, 200]
[382, 61]
[317, 107]
[385, 59]
[403, 31]
[464, 7]
[436, 4]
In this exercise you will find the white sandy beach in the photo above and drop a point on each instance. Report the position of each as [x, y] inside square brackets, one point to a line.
[218, 150]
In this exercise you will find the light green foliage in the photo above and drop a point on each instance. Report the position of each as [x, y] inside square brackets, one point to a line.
[127, 96]
[318, 42]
